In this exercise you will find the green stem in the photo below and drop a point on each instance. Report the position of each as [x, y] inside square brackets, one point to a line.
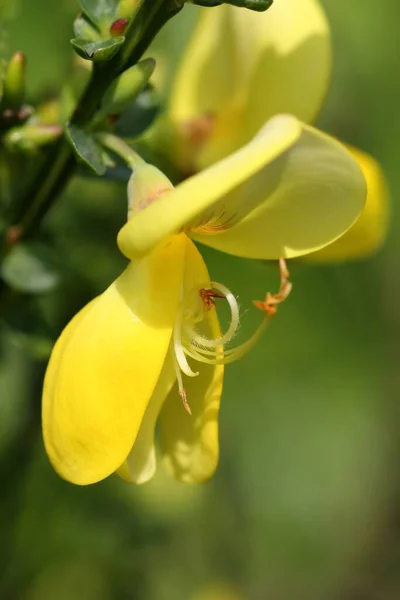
[120, 148]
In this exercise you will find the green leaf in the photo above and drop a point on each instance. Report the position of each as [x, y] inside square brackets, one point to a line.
[97, 51]
[86, 148]
[84, 30]
[99, 10]
[30, 269]
[140, 114]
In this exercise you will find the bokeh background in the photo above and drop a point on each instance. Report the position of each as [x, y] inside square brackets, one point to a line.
[305, 503]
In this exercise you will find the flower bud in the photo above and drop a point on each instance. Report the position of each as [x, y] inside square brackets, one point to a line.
[14, 81]
[146, 185]
[127, 9]
[126, 87]
[31, 137]
[118, 27]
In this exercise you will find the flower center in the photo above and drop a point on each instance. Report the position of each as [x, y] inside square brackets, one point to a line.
[189, 340]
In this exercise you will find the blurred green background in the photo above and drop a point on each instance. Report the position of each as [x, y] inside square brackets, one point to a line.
[305, 503]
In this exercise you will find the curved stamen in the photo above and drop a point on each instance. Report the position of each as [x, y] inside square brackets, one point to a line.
[189, 342]
[179, 349]
[206, 342]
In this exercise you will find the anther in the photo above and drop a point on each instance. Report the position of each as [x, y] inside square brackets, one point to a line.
[272, 301]
[208, 297]
[182, 393]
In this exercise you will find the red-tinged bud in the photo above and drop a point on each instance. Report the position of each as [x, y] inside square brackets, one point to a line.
[118, 27]
[24, 112]
[13, 235]
[19, 58]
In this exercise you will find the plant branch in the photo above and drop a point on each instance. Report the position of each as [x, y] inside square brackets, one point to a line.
[59, 163]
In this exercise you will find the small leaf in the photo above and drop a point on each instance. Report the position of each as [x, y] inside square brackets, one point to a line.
[14, 81]
[99, 10]
[30, 269]
[97, 51]
[86, 148]
[140, 115]
[84, 29]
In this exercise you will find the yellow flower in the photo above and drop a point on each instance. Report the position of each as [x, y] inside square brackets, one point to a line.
[239, 68]
[153, 335]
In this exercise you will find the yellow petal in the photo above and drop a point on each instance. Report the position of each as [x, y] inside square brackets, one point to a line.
[289, 192]
[190, 442]
[316, 192]
[140, 465]
[369, 232]
[106, 364]
[192, 201]
[256, 65]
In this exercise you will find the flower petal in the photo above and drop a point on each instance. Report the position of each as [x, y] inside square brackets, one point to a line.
[256, 65]
[369, 232]
[140, 465]
[192, 201]
[289, 192]
[106, 364]
[302, 201]
[190, 442]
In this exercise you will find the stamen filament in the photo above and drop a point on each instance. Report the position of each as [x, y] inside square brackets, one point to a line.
[179, 350]
[189, 342]
[203, 341]
[182, 391]
[224, 357]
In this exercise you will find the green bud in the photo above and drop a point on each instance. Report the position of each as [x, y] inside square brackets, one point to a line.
[30, 137]
[14, 81]
[126, 88]
[97, 51]
[127, 9]
[48, 112]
